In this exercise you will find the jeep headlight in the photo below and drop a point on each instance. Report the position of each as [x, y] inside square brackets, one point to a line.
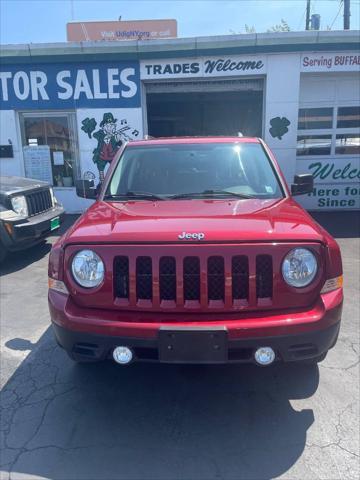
[299, 267]
[19, 205]
[87, 269]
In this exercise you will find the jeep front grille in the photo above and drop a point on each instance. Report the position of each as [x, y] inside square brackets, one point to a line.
[188, 282]
[38, 202]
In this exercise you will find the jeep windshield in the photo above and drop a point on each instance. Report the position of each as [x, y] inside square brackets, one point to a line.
[186, 171]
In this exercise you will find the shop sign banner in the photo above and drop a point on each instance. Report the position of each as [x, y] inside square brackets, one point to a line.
[336, 183]
[121, 30]
[66, 85]
[221, 66]
[332, 170]
[330, 62]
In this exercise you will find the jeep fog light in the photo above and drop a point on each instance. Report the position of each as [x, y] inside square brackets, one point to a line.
[122, 355]
[264, 355]
[299, 267]
[87, 269]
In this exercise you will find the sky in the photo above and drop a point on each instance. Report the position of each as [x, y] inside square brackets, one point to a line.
[39, 21]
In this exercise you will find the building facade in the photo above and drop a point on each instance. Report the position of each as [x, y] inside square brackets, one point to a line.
[67, 108]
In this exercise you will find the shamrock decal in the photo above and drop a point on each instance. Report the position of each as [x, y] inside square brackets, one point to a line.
[88, 125]
[279, 127]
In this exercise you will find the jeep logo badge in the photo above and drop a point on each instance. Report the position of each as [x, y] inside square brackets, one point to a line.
[191, 236]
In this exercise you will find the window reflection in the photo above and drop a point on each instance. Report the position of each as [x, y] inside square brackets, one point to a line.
[313, 145]
[348, 117]
[312, 118]
[347, 143]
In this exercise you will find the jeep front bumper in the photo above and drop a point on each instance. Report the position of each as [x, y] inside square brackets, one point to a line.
[90, 334]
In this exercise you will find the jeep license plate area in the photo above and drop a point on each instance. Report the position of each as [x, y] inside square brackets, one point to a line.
[54, 223]
[193, 345]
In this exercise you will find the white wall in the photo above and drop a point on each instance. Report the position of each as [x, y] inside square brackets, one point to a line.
[282, 100]
[9, 131]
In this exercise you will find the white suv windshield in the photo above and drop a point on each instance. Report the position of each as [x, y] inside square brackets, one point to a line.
[195, 170]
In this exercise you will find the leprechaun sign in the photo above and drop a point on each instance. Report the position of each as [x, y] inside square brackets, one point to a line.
[109, 133]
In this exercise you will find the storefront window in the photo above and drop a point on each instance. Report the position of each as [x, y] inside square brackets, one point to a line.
[347, 144]
[348, 117]
[313, 145]
[58, 132]
[311, 118]
[329, 131]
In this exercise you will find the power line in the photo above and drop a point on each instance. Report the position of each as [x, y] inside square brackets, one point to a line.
[337, 14]
[302, 18]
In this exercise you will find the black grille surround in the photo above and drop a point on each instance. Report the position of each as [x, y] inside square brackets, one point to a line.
[216, 278]
[264, 275]
[167, 276]
[38, 202]
[144, 281]
[240, 277]
[180, 281]
[191, 278]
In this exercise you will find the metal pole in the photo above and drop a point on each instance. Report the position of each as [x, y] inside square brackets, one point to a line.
[346, 14]
[307, 23]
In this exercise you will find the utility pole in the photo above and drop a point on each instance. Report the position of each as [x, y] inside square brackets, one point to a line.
[346, 14]
[307, 23]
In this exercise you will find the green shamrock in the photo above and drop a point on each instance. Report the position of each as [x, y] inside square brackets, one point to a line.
[279, 127]
[88, 125]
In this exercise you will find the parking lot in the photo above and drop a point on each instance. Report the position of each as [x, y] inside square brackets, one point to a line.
[147, 421]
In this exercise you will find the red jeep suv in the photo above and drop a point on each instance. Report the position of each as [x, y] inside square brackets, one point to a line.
[195, 252]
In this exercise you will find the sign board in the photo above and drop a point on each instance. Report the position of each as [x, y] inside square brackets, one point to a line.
[121, 30]
[38, 163]
[330, 62]
[58, 158]
[336, 183]
[67, 85]
[221, 66]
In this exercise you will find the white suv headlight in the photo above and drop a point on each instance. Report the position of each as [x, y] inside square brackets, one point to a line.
[88, 269]
[19, 205]
[299, 267]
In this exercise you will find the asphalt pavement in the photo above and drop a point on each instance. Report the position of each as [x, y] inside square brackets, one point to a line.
[60, 420]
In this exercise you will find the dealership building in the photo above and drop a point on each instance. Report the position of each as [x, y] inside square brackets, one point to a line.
[67, 107]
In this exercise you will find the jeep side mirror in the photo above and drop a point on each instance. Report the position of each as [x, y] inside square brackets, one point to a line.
[303, 183]
[86, 189]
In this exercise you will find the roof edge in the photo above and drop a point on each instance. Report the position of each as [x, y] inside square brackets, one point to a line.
[181, 47]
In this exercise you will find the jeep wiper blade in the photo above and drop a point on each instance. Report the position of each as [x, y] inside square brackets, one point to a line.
[210, 193]
[139, 195]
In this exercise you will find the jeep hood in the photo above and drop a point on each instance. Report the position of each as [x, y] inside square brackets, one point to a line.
[12, 184]
[239, 220]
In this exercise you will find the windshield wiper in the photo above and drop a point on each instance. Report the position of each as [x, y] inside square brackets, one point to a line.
[210, 193]
[139, 195]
